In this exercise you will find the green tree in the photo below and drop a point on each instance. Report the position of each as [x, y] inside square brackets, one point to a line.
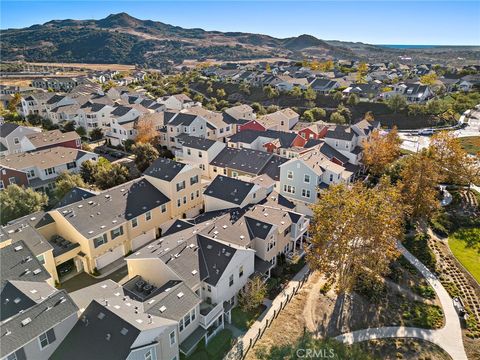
[67, 181]
[318, 113]
[145, 154]
[221, 93]
[245, 88]
[270, 91]
[258, 108]
[396, 103]
[353, 100]
[111, 175]
[296, 92]
[310, 94]
[69, 126]
[17, 201]
[88, 170]
[272, 108]
[337, 118]
[338, 96]
[81, 131]
[252, 294]
[308, 116]
[14, 102]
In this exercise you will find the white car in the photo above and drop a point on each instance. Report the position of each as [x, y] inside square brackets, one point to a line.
[426, 132]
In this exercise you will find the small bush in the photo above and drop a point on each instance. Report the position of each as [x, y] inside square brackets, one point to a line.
[370, 287]
[418, 246]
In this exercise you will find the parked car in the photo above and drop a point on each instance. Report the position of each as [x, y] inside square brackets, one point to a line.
[426, 132]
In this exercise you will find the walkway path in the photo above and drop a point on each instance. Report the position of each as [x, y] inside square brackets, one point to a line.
[448, 338]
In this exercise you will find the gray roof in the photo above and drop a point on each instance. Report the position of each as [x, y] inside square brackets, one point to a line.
[177, 225]
[229, 189]
[195, 142]
[164, 169]
[244, 160]
[7, 128]
[88, 339]
[29, 297]
[257, 228]
[182, 119]
[249, 136]
[217, 257]
[120, 110]
[74, 195]
[340, 132]
[107, 210]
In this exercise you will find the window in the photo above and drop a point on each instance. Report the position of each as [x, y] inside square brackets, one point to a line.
[194, 180]
[290, 175]
[30, 173]
[12, 357]
[49, 171]
[289, 189]
[200, 154]
[173, 338]
[240, 271]
[12, 180]
[116, 232]
[1, 184]
[179, 202]
[209, 288]
[193, 314]
[306, 178]
[78, 142]
[192, 196]
[331, 177]
[46, 338]
[234, 174]
[189, 152]
[16, 141]
[181, 185]
[100, 240]
[184, 199]
[148, 216]
[180, 325]
[198, 193]
[71, 165]
[187, 320]
[306, 193]
[134, 223]
[148, 355]
[230, 280]
[214, 169]
[163, 208]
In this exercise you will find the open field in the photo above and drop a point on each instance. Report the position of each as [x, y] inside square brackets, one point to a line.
[465, 245]
[101, 67]
[471, 144]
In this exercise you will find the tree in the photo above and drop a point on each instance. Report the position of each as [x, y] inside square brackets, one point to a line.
[245, 88]
[111, 175]
[146, 131]
[17, 201]
[69, 126]
[296, 92]
[369, 116]
[96, 134]
[353, 100]
[88, 170]
[252, 294]
[268, 68]
[396, 103]
[270, 91]
[337, 118]
[221, 93]
[145, 154]
[419, 183]
[198, 98]
[81, 131]
[429, 79]
[308, 116]
[381, 151]
[337, 96]
[318, 113]
[310, 94]
[67, 181]
[14, 102]
[258, 108]
[272, 108]
[355, 228]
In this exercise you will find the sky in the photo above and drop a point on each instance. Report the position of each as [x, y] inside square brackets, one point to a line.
[375, 22]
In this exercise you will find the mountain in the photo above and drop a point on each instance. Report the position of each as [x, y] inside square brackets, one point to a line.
[121, 38]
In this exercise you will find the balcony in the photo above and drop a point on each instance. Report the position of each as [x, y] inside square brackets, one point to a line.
[209, 313]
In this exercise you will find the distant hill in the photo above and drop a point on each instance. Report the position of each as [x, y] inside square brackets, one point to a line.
[121, 38]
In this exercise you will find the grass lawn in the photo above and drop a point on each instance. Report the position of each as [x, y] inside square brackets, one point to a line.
[471, 144]
[465, 245]
[243, 320]
[216, 348]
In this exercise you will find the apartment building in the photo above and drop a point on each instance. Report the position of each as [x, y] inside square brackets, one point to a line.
[11, 135]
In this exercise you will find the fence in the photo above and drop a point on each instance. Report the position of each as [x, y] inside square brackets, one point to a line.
[243, 346]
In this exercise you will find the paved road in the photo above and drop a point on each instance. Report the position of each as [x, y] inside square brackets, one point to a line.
[449, 338]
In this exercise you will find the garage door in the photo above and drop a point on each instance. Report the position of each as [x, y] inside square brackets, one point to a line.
[143, 239]
[109, 257]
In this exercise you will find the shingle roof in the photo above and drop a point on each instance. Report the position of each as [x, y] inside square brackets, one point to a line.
[246, 160]
[195, 142]
[74, 195]
[217, 257]
[341, 132]
[229, 189]
[7, 128]
[164, 169]
[182, 119]
[257, 228]
[52, 137]
[249, 136]
[107, 210]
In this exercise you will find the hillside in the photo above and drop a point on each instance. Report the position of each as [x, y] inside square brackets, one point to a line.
[121, 38]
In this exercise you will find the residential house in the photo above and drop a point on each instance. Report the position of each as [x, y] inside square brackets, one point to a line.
[11, 135]
[48, 139]
[9, 176]
[282, 120]
[324, 86]
[270, 140]
[176, 102]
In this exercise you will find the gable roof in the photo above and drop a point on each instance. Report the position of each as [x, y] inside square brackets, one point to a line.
[7, 128]
[195, 142]
[52, 137]
[248, 136]
[229, 189]
[164, 169]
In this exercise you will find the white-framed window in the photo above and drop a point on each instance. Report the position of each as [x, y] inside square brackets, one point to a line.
[134, 222]
[78, 142]
[194, 180]
[192, 196]
[16, 141]
[12, 356]
[179, 202]
[148, 216]
[181, 185]
[49, 171]
[100, 240]
[71, 165]
[46, 338]
[234, 174]
[184, 199]
[230, 280]
[200, 154]
[306, 193]
[290, 175]
[41, 258]
[173, 338]
[189, 152]
[12, 180]
[148, 355]
[209, 288]
[198, 193]
[116, 232]
[163, 208]
[30, 173]
[289, 189]
[306, 179]
[331, 177]
[181, 327]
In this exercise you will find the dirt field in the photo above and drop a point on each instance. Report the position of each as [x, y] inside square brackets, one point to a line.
[193, 63]
[101, 67]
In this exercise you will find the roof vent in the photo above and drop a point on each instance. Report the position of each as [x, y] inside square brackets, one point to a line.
[124, 331]
[180, 295]
[26, 321]
[194, 272]
[162, 309]
[18, 248]
[37, 271]
[108, 337]
[101, 315]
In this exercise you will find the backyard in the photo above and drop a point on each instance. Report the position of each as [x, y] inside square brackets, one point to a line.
[243, 320]
[465, 245]
[216, 348]
[470, 144]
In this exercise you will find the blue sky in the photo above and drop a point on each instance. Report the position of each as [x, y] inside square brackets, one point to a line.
[375, 22]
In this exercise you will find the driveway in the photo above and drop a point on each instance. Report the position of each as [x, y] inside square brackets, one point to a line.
[449, 338]
[83, 279]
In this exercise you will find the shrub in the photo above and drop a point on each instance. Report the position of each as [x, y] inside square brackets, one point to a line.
[418, 246]
[370, 287]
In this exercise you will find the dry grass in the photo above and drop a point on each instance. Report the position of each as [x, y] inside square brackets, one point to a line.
[102, 67]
